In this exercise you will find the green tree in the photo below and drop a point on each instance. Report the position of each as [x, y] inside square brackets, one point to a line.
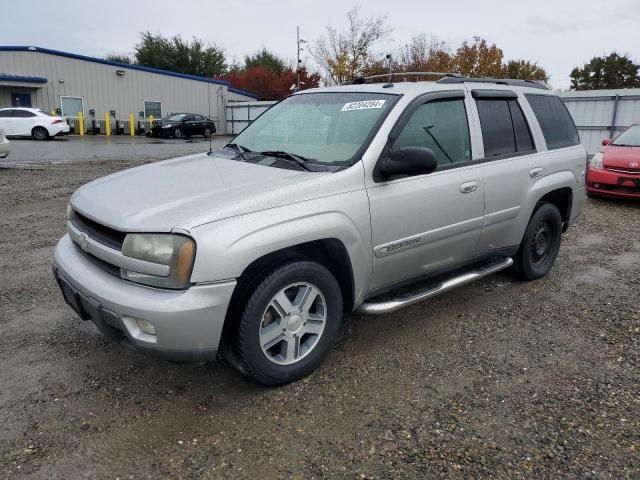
[525, 70]
[612, 71]
[179, 55]
[265, 58]
[119, 57]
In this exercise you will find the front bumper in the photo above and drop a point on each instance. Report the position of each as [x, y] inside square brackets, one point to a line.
[188, 323]
[613, 184]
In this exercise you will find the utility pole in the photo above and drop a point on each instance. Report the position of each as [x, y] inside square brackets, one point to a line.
[300, 49]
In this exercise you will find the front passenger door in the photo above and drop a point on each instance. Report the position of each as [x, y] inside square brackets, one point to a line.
[427, 222]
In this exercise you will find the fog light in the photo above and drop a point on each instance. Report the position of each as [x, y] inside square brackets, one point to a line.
[146, 326]
[596, 185]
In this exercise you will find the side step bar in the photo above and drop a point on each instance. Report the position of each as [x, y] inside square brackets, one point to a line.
[397, 303]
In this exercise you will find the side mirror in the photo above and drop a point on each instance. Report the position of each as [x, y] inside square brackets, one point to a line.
[407, 161]
[606, 141]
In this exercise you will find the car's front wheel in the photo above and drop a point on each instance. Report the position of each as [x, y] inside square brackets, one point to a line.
[178, 133]
[289, 323]
[541, 243]
[40, 133]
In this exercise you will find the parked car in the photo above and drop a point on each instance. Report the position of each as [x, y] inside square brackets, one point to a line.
[183, 125]
[31, 122]
[4, 145]
[615, 170]
[361, 198]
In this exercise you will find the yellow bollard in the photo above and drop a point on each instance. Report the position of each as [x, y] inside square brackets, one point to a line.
[107, 124]
[132, 128]
[53, 113]
[150, 124]
[81, 124]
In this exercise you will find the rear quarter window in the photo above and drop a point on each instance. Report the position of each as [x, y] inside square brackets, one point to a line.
[555, 121]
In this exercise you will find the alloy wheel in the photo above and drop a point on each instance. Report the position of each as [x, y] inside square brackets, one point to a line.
[292, 324]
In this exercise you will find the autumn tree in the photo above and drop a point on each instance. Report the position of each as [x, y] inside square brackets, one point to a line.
[478, 59]
[270, 85]
[612, 71]
[422, 54]
[525, 70]
[343, 55]
[179, 55]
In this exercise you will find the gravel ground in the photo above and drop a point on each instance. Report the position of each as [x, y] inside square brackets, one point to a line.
[498, 379]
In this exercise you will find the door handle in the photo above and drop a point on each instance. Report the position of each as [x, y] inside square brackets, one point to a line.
[536, 172]
[469, 187]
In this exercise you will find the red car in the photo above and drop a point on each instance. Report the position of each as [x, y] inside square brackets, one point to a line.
[615, 170]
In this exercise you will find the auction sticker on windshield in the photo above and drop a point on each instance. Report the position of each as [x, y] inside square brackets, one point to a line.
[363, 105]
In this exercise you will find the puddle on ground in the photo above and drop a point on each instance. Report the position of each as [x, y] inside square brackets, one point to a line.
[590, 239]
[627, 259]
[594, 275]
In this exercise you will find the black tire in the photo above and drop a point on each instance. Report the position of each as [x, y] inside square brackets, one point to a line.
[207, 133]
[40, 133]
[178, 133]
[253, 359]
[540, 244]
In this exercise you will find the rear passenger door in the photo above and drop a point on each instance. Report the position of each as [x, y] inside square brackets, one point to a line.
[22, 122]
[511, 166]
[426, 222]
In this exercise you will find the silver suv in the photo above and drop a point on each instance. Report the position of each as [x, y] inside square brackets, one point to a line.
[363, 197]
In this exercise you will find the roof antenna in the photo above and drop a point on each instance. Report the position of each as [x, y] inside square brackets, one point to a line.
[389, 84]
[209, 117]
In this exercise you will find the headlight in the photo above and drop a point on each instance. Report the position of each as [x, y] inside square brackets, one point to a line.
[166, 126]
[176, 251]
[596, 161]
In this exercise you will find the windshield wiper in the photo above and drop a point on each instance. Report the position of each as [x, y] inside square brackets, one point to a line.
[240, 149]
[292, 157]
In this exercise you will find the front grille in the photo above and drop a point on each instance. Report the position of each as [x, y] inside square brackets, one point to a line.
[626, 171]
[106, 266]
[619, 188]
[100, 233]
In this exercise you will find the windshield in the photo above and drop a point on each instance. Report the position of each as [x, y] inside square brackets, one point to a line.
[177, 117]
[322, 127]
[629, 138]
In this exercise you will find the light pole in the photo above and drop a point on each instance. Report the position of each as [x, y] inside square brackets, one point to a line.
[300, 49]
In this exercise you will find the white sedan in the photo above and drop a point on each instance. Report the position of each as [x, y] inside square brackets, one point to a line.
[31, 122]
[4, 145]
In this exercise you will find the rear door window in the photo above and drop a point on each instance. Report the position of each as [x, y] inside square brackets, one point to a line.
[504, 128]
[556, 123]
[23, 114]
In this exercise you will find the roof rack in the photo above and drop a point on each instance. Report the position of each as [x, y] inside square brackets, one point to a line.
[389, 77]
[497, 81]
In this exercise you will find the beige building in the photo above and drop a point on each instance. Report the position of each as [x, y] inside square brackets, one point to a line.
[68, 83]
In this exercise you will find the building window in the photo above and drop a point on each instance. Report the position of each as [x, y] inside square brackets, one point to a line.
[71, 106]
[152, 108]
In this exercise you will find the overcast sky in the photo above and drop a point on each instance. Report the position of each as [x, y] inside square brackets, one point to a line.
[557, 34]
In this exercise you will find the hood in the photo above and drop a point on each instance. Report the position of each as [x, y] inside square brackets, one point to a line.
[621, 157]
[190, 191]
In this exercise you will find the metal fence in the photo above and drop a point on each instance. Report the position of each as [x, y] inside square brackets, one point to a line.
[241, 114]
[600, 114]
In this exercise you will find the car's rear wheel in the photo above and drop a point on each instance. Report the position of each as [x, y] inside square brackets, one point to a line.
[541, 243]
[289, 323]
[178, 133]
[40, 133]
[207, 132]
